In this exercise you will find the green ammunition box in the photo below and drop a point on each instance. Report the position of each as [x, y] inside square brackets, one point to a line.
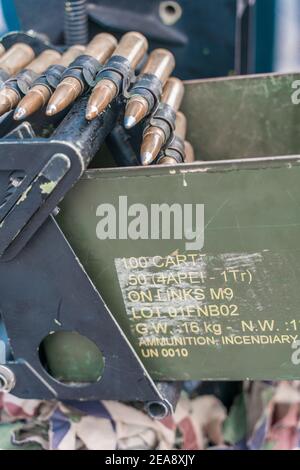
[224, 306]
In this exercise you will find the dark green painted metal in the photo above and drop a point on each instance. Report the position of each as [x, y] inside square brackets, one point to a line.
[243, 117]
[72, 358]
[252, 222]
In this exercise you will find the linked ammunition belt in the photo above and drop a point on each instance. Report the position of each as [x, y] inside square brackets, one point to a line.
[119, 70]
[150, 87]
[22, 82]
[164, 118]
[51, 78]
[85, 69]
[174, 150]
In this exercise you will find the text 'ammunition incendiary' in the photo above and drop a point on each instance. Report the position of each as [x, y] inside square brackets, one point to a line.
[193, 305]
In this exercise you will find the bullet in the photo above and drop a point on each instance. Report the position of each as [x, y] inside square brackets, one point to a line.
[160, 65]
[39, 95]
[132, 47]
[180, 133]
[173, 93]
[16, 58]
[8, 100]
[180, 125]
[101, 48]
[9, 96]
[189, 152]
[154, 137]
[71, 54]
[43, 61]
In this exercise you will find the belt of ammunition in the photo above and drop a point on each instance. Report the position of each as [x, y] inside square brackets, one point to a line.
[164, 118]
[22, 82]
[150, 87]
[119, 71]
[174, 150]
[3, 76]
[51, 78]
[85, 69]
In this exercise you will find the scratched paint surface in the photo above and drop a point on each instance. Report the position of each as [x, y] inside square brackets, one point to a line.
[242, 116]
[252, 223]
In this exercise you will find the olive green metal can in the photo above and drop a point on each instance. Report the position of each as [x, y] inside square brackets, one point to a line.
[216, 297]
